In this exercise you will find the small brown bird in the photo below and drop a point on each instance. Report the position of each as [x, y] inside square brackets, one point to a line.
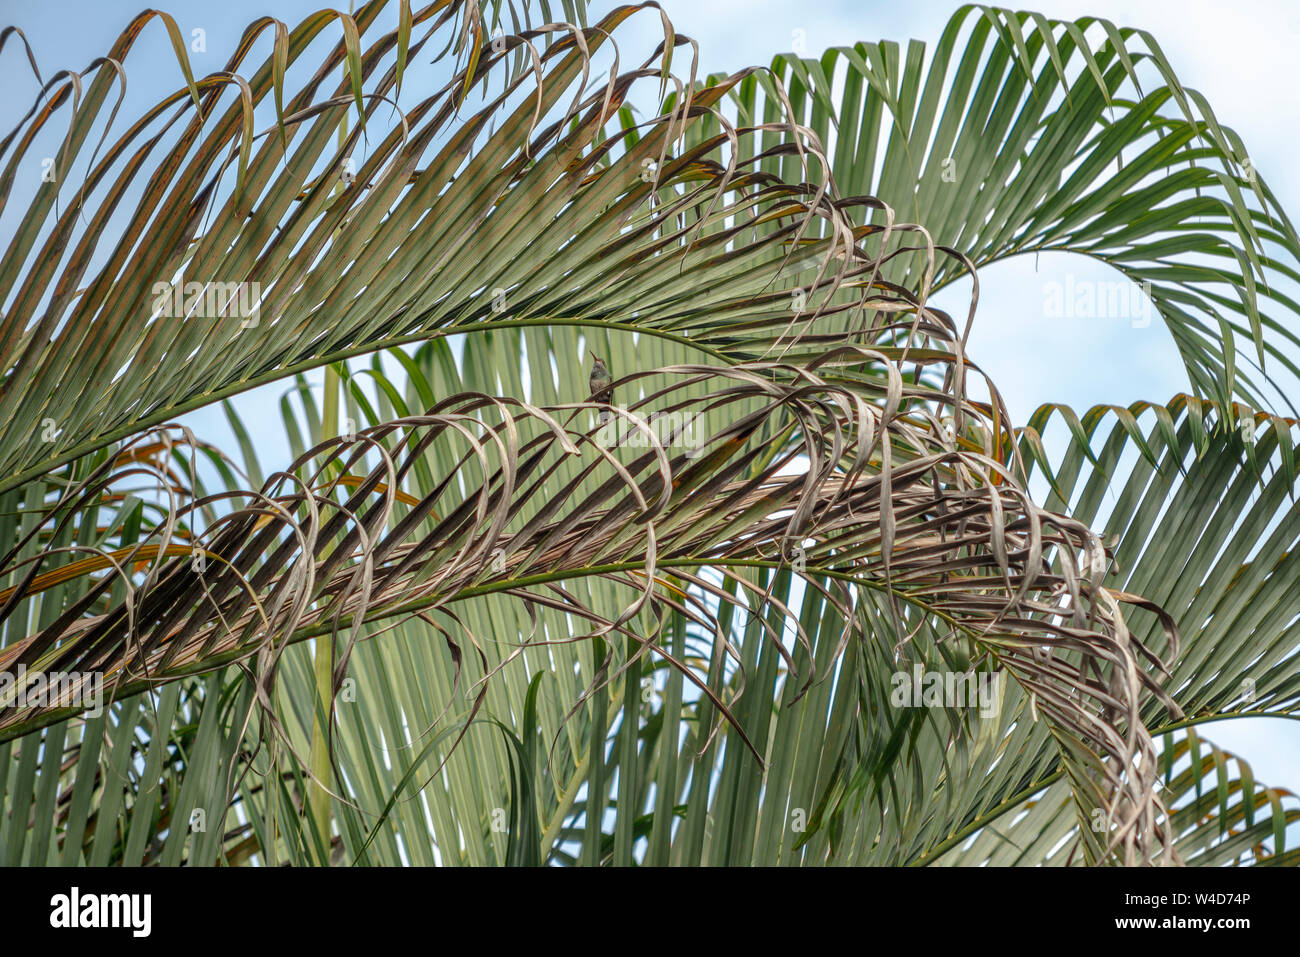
[600, 390]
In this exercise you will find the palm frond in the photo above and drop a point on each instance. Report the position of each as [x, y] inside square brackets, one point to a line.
[198, 258]
[1017, 134]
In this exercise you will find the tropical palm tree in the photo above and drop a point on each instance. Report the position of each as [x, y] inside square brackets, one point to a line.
[471, 622]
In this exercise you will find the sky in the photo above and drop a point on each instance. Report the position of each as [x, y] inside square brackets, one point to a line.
[1241, 56]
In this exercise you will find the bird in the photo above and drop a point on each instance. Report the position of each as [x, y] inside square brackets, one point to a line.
[600, 387]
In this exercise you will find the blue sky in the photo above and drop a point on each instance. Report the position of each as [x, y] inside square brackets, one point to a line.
[1242, 57]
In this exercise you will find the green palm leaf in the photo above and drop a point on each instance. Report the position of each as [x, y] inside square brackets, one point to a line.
[1016, 134]
[538, 647]
[513, 206]
[1202, 506]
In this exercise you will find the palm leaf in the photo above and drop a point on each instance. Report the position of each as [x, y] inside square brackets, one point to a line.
[465, 214]
[568, 630]
[1202, 506]
[1016, 134]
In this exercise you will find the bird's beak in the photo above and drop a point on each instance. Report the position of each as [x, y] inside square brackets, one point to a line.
[593, 355]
